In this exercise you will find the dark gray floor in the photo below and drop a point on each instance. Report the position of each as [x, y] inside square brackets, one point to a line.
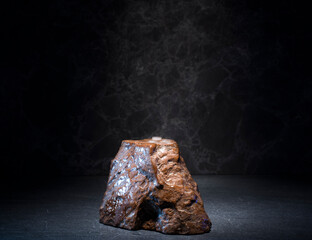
[240, 207]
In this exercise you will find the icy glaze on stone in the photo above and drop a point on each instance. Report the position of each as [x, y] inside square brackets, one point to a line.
[149, 187]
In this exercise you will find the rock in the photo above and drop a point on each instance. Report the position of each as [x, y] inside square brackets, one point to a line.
[149, 187]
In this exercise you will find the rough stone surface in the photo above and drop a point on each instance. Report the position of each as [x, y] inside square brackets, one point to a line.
[150, 187]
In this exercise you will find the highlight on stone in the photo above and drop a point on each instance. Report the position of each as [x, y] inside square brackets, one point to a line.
[149, 187]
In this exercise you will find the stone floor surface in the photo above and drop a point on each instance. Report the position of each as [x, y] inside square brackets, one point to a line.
[240, 207]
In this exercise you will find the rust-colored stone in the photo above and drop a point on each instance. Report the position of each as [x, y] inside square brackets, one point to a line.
[149, 187]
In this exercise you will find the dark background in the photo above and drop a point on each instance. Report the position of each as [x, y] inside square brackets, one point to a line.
[228, 80]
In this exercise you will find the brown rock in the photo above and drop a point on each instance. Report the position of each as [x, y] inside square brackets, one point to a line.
[149, 187]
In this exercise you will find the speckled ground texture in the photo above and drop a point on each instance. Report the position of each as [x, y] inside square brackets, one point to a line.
[240, 207]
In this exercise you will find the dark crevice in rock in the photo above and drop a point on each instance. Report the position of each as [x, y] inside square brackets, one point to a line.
[147, 211]
[166, 205]
[192, 202]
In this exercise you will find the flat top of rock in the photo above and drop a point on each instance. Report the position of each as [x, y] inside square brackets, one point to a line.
[152, 141]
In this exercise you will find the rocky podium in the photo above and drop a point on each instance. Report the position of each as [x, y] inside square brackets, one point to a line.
[149, 187]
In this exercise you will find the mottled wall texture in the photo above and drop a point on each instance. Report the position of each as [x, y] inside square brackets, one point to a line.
[228, 80]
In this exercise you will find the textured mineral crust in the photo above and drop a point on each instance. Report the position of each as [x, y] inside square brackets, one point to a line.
[149, 187]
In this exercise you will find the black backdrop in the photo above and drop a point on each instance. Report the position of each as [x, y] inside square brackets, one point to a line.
[228, 80]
